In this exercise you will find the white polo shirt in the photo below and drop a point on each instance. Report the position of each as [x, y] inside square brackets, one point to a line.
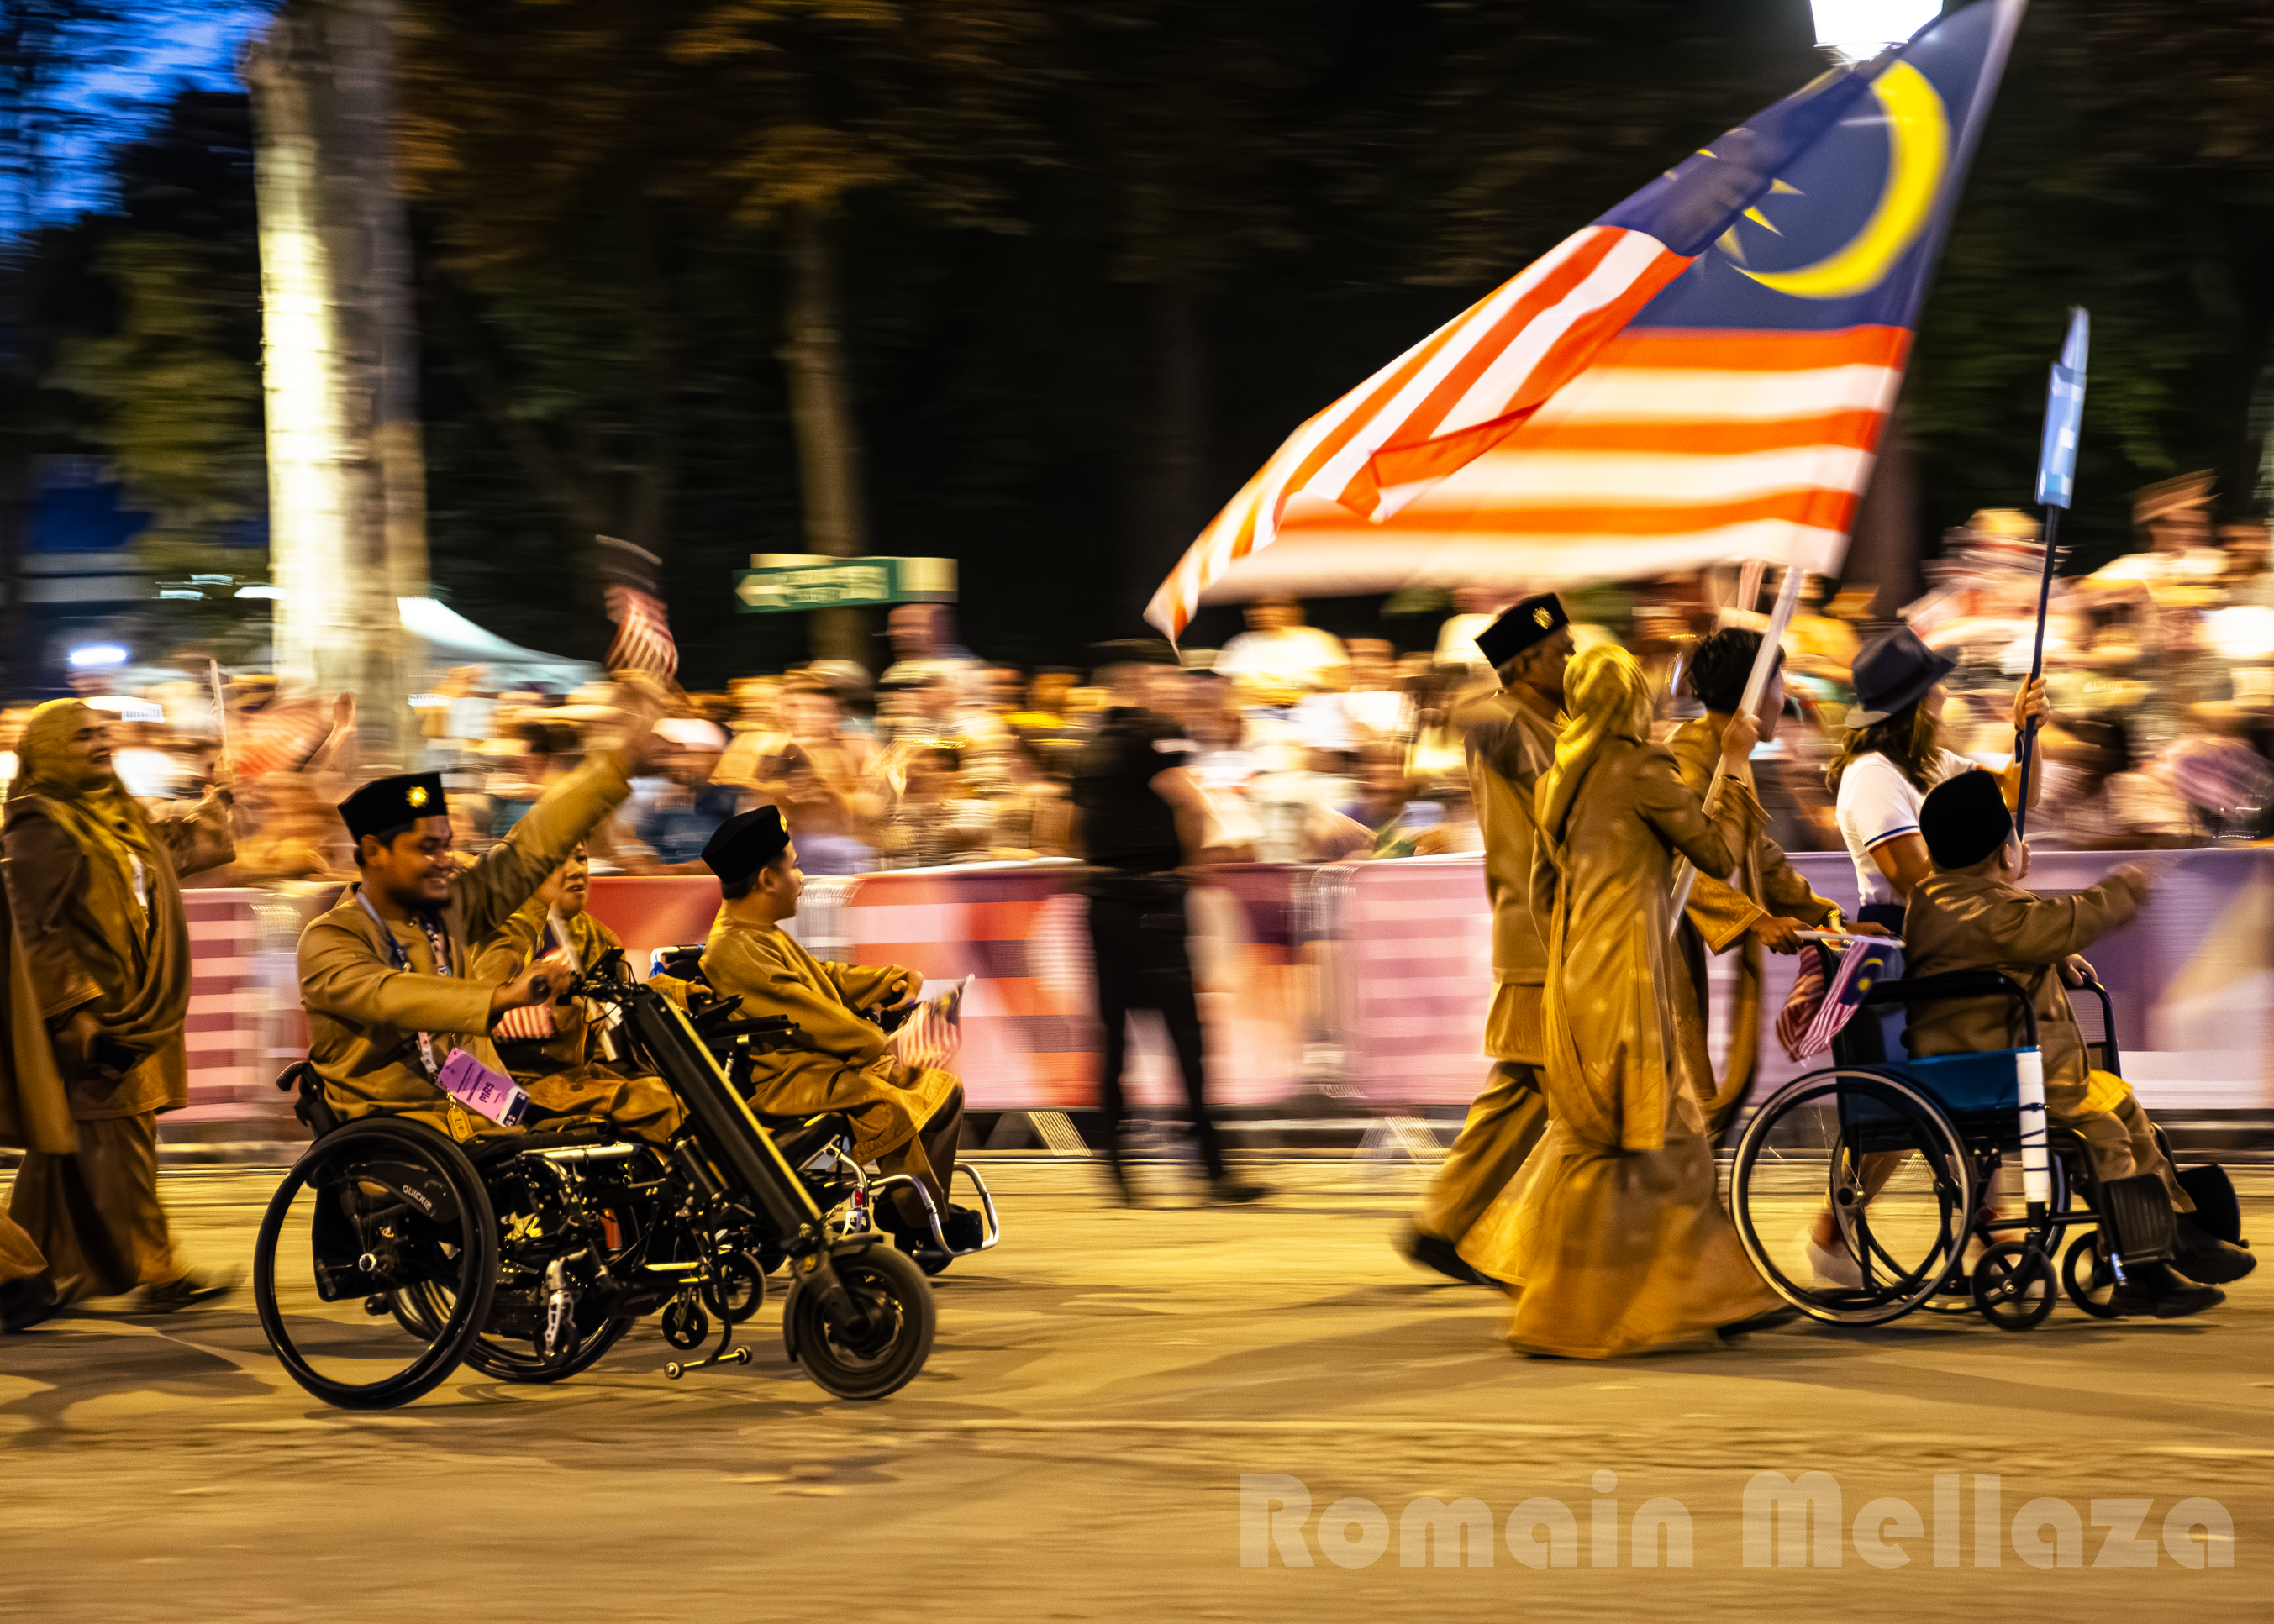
[1879, 804]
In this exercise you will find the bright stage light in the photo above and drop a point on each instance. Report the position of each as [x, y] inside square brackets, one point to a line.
[1859, 29]
[97, 656]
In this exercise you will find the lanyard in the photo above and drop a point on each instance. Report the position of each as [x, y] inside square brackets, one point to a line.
[440, 947]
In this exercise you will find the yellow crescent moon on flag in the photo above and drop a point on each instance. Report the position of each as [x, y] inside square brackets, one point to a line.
[1918, 149]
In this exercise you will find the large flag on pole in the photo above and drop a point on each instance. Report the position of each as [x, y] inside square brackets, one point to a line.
[1700, 374]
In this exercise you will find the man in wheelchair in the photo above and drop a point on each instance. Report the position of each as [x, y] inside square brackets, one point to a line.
[388, 976]
[905, 1119]
[1971, 914]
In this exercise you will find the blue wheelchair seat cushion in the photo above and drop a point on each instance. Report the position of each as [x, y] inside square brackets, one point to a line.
[1966, 1084]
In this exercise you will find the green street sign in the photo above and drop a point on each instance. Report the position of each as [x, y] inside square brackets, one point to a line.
[788, 583]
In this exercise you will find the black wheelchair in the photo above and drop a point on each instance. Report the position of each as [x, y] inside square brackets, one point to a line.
[736, 1047]
[1905, 1153]
[391, 1254]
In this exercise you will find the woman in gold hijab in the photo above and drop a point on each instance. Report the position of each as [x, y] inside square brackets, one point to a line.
[1620, 1243]
[92, 882]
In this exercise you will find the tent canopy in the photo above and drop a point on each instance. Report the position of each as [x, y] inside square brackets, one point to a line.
[453, 639]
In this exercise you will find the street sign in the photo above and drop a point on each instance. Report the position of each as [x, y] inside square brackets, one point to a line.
[786, 583]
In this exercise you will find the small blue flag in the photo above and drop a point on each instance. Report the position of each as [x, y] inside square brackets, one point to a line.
[2064, 412]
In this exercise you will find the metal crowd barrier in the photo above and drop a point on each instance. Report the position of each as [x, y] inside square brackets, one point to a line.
[1365, 984]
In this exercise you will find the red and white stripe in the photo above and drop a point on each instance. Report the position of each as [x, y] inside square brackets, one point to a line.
[643, 640]
[1661, 450]
[1440, 404]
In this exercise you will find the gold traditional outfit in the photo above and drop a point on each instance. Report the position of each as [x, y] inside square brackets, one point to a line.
[34, 1113]
[365, 1014]
[566, 1072]
[1621, 1242]
[905, 1118]
[93, 886]
[1720, 914]
[1509, 746]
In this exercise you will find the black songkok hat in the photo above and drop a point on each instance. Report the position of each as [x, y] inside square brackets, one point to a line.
[1964, 819]
[389, 804]
[1531, 623]
[746, 843]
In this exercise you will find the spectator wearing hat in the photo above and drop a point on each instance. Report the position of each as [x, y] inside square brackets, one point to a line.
[1969, 913]
[1143, 819]
[1894, 755]
[388, 976]
[907, 1119]
[1510, 738]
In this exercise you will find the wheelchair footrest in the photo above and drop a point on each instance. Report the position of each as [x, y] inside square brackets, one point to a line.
[2137, 1214]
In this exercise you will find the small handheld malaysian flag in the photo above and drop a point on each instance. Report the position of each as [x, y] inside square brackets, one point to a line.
[933, 1030]
[1813, 1016]
[643, 640]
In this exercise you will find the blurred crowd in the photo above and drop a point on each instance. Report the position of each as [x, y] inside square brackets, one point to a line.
[1312, 749]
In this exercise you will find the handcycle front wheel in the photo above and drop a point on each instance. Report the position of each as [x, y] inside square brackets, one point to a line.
[375, 1208]
[893, 1290]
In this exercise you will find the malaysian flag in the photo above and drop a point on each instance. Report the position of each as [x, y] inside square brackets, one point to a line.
[933, 1030]
[1818, 1007]
[643, 640]
[1700, 374]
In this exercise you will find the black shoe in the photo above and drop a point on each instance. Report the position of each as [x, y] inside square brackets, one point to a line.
[1433, 1251]
[2160, 1290]
[192, 1289]
[1230, 1189]
[963, 1229]
[2202, 1257]
[26, 1303]
[1123, 1191]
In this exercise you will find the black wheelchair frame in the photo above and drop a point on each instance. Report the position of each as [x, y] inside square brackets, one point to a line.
[528, 1254]
[1883, 1110]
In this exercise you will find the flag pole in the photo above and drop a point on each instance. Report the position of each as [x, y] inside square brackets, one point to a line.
[1757, 682]
[2056, 485]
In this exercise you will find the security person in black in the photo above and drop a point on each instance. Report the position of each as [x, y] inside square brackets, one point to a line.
[1143, 819]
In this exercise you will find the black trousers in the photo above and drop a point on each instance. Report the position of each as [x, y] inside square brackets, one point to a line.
[1138, 949]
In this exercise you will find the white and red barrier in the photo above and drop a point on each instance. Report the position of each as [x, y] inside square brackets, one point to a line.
[1369, 980]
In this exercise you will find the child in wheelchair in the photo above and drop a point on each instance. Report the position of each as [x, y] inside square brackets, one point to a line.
[1971, 914]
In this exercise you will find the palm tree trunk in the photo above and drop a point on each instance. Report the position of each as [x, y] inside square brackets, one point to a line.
[346, 479]
[821, 413]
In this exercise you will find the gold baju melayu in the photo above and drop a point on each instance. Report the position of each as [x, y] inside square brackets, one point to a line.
[1721, 912]
[93, 884]
[1621, 1243]
[1509, 744]
[567, 1073]
[905, 1118]
[366, 1012]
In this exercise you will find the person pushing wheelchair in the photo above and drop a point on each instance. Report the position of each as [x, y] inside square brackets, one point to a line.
[905, 1119]
[1971, 914]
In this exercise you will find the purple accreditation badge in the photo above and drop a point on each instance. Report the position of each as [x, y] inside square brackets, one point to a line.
[474, 1085]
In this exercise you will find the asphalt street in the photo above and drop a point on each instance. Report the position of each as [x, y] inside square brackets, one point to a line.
[1102, 1384]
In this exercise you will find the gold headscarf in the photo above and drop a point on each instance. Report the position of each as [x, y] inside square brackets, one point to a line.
[1606, 695]
[137, 948]
[105, 818]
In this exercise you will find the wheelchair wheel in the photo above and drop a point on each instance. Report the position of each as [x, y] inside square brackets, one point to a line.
[2087, 1277]
[1887, 1162]
[738, 1290]
[505, 1359]
[893, 1291]
[2013, 1286]
[373, 1210]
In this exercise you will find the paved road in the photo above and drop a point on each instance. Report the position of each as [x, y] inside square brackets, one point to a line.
[1101, 1385]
